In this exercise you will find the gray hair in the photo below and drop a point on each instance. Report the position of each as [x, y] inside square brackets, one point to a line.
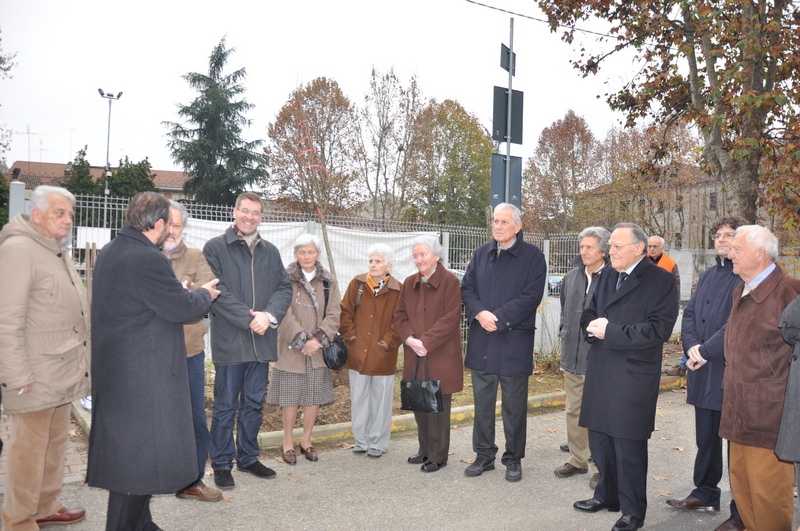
[382, 249]
[431, 241]
[637, 233]
[307, 239]
[516, 214]
[759, 237]
[40, 197]
[180, 208]
[600, 233]
[661, 240]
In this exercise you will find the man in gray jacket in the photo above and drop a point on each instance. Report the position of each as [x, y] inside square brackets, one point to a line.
[255, 295]
[576, 294]
[44, 356]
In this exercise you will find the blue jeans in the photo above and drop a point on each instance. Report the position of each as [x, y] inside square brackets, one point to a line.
[238, 388]
[197, 384]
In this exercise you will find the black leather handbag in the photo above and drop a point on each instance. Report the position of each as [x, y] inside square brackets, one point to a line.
[421, 395]
[335, 354]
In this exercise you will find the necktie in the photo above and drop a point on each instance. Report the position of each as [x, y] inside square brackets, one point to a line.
[621, 279]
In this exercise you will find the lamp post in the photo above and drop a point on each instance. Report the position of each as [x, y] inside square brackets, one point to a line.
[110, 97]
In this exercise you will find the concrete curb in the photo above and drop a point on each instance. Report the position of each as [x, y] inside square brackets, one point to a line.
[343, 431]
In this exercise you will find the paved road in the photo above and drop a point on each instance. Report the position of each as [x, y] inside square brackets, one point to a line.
[345, 491]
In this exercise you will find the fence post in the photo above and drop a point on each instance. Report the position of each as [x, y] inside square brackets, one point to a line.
[16, 198]
[542, 316]
[446, 248]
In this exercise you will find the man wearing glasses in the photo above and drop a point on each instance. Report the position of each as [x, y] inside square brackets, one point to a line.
[255, 295]
[703, 330]
[630, 317]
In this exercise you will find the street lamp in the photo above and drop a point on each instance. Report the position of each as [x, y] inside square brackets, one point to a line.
[110, 97]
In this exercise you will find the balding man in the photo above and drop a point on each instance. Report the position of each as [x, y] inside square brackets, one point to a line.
[44, 356]
[754, 383]
[630, 317]
[655, 251]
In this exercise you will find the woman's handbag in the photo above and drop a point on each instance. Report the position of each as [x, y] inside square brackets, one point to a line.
[422, 396]
[335, 354]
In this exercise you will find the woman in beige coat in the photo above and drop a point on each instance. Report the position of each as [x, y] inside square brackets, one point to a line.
[300, 377]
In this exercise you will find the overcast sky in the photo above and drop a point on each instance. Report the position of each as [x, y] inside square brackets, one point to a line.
[67, 50]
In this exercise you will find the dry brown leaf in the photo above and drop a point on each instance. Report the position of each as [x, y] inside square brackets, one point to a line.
[679, 448]
[348, 446]
[657, 428]
[550, 430]
[293, 479]
[663, 438]
[668, 401]
[226, 497]
[659, 478]
[467, 460]
[664, 492]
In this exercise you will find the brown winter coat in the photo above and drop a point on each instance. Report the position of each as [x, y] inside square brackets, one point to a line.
[756, 362]
[304, 319]
[44, 321]
[363, 327]
[190, 265]
[431, 311]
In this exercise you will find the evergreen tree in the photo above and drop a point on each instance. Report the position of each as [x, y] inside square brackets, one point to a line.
[129, 179]
[80, 181]
[210, 148]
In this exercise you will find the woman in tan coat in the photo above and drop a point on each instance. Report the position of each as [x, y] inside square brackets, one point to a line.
[367, 324]
[300, 377]
[428, 319]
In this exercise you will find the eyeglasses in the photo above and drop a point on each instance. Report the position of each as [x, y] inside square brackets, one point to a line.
[724, 236]
[618, 246]
[254, 213]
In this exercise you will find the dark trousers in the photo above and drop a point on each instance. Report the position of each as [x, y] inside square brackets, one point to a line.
[515, 415]
[128, 512]
[202, 437]
[623, 472]
[708, 463]
[433, 432]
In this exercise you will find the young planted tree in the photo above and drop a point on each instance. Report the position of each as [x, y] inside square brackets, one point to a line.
[563, 165]
[211, 147]
[385, 141]
[131, 178]
[330, 122]
[79, 181]
[728, 67]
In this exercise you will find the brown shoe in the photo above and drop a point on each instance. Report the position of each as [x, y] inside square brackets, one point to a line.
[200, 492]
[289, 456]
[63, 516]
[594, 481]
[675, 371]
[690, 502]
[731, 524]
[310, 453]
[567, 470]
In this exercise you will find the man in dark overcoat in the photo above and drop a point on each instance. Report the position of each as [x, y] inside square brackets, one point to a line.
[702, 332]
[501, 290]
[631, 316]
[142, 437]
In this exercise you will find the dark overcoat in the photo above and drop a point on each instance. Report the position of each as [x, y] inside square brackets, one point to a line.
[624, 369]
[142, 438]
[511, 286]
[704, 321]
[431, 311]
[788, 445]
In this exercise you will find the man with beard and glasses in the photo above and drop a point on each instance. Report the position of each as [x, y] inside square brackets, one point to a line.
[142, 440]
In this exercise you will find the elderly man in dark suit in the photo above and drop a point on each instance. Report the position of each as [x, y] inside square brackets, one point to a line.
[142, 439]
[631, 316]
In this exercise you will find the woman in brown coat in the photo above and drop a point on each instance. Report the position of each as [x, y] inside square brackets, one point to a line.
[300, 377]
[428, 319]
[367, 324]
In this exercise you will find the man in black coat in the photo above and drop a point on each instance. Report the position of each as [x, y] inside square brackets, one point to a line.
[703, 331]
[142, 438]
[631, 316]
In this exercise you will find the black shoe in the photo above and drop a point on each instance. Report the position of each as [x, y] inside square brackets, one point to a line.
[257, 469]
[592, 506]
[565, 447]
[628, 523]
[513, 471]
[478, 467]
[417, 459]
[223, 479]
[432, 466]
